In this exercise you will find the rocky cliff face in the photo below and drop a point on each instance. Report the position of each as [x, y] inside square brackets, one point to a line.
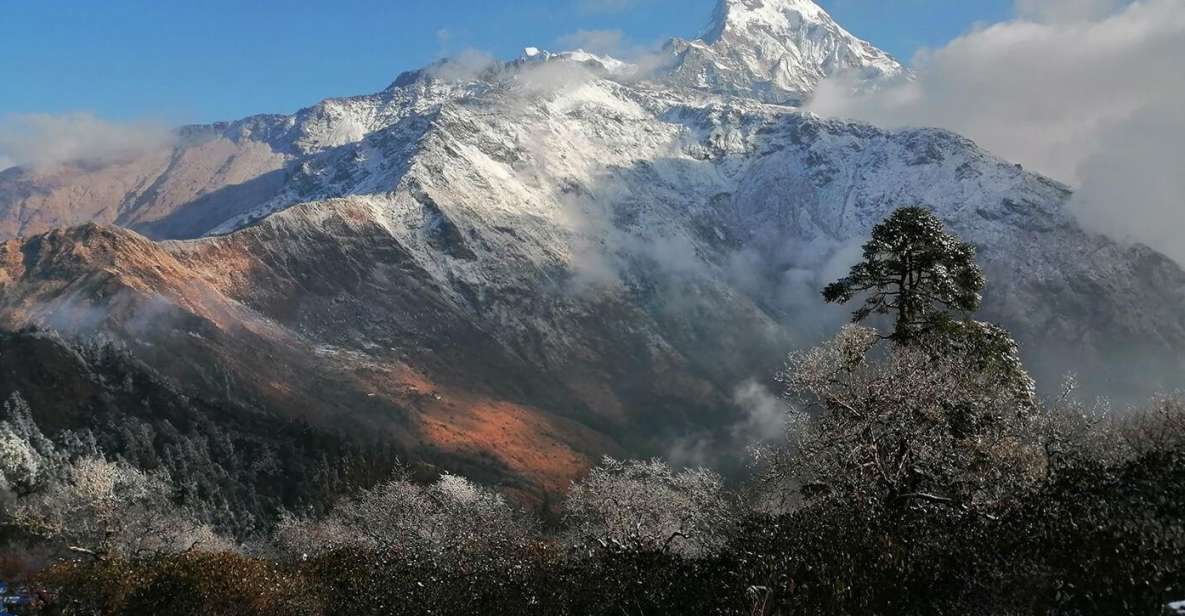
[516, 268]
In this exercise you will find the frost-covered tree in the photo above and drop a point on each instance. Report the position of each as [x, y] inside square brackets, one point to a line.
[927, 423]
[646, 505]
[109, 509]
[926, 277]
[914, 270]
[21, 465]
[27, 457]
[450, 518]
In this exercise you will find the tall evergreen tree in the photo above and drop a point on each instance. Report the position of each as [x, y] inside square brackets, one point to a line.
[915, 270]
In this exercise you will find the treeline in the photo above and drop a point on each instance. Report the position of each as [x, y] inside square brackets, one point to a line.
[920, 474]
[233, 466]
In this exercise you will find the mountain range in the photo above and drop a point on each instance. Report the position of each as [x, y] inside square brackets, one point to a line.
[512, 268]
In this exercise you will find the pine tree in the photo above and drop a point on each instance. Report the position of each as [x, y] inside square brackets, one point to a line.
[915, 270]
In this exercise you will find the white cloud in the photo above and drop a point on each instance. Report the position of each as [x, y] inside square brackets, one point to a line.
[1067, 11]
[1133, 187]
[644, 59]
[608, 42]
[6, 162]
[1063, 89]
[42, 139]
[465, 66]
[765, 414]
[444, 39]
[547, 78]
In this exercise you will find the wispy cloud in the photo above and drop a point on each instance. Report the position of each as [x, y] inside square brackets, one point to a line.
[41, 139]
[608, 42]
[444, 40]
[644, 58]
[1087, 91]
[765, 413]
[607, 6]
[466, 65]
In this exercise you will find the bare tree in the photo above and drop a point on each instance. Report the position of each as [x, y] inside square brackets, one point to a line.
[1157, 426]
[649, 506]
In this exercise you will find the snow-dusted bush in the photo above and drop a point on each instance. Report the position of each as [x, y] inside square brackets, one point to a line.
[112, 509]
[937, 421]
[20, 464]
[646, 505]
[449, 518]
[27, 457]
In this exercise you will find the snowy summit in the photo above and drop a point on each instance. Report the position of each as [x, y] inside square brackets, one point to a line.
[777, 49]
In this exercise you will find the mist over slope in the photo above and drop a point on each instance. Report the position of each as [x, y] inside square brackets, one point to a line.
[517, 267]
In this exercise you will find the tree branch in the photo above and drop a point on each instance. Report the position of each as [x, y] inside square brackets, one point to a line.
[941, 500]
[675, 535]
[81, 550]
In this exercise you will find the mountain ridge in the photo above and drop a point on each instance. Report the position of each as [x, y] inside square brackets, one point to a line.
[484, 261]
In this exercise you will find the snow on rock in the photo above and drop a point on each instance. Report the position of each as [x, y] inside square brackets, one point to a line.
[617, 181]
[776, 50]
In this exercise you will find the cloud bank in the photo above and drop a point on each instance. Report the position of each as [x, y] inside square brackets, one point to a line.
[42, 139]
[1087, 91]
[1066, 11]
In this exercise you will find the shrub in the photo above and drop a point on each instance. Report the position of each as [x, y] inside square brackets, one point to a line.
[647, 506]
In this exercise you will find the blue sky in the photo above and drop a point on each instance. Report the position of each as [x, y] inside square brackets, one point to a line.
[181, 62]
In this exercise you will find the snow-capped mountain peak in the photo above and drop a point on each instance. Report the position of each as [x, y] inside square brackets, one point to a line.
[776, 50]
[734, 15]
